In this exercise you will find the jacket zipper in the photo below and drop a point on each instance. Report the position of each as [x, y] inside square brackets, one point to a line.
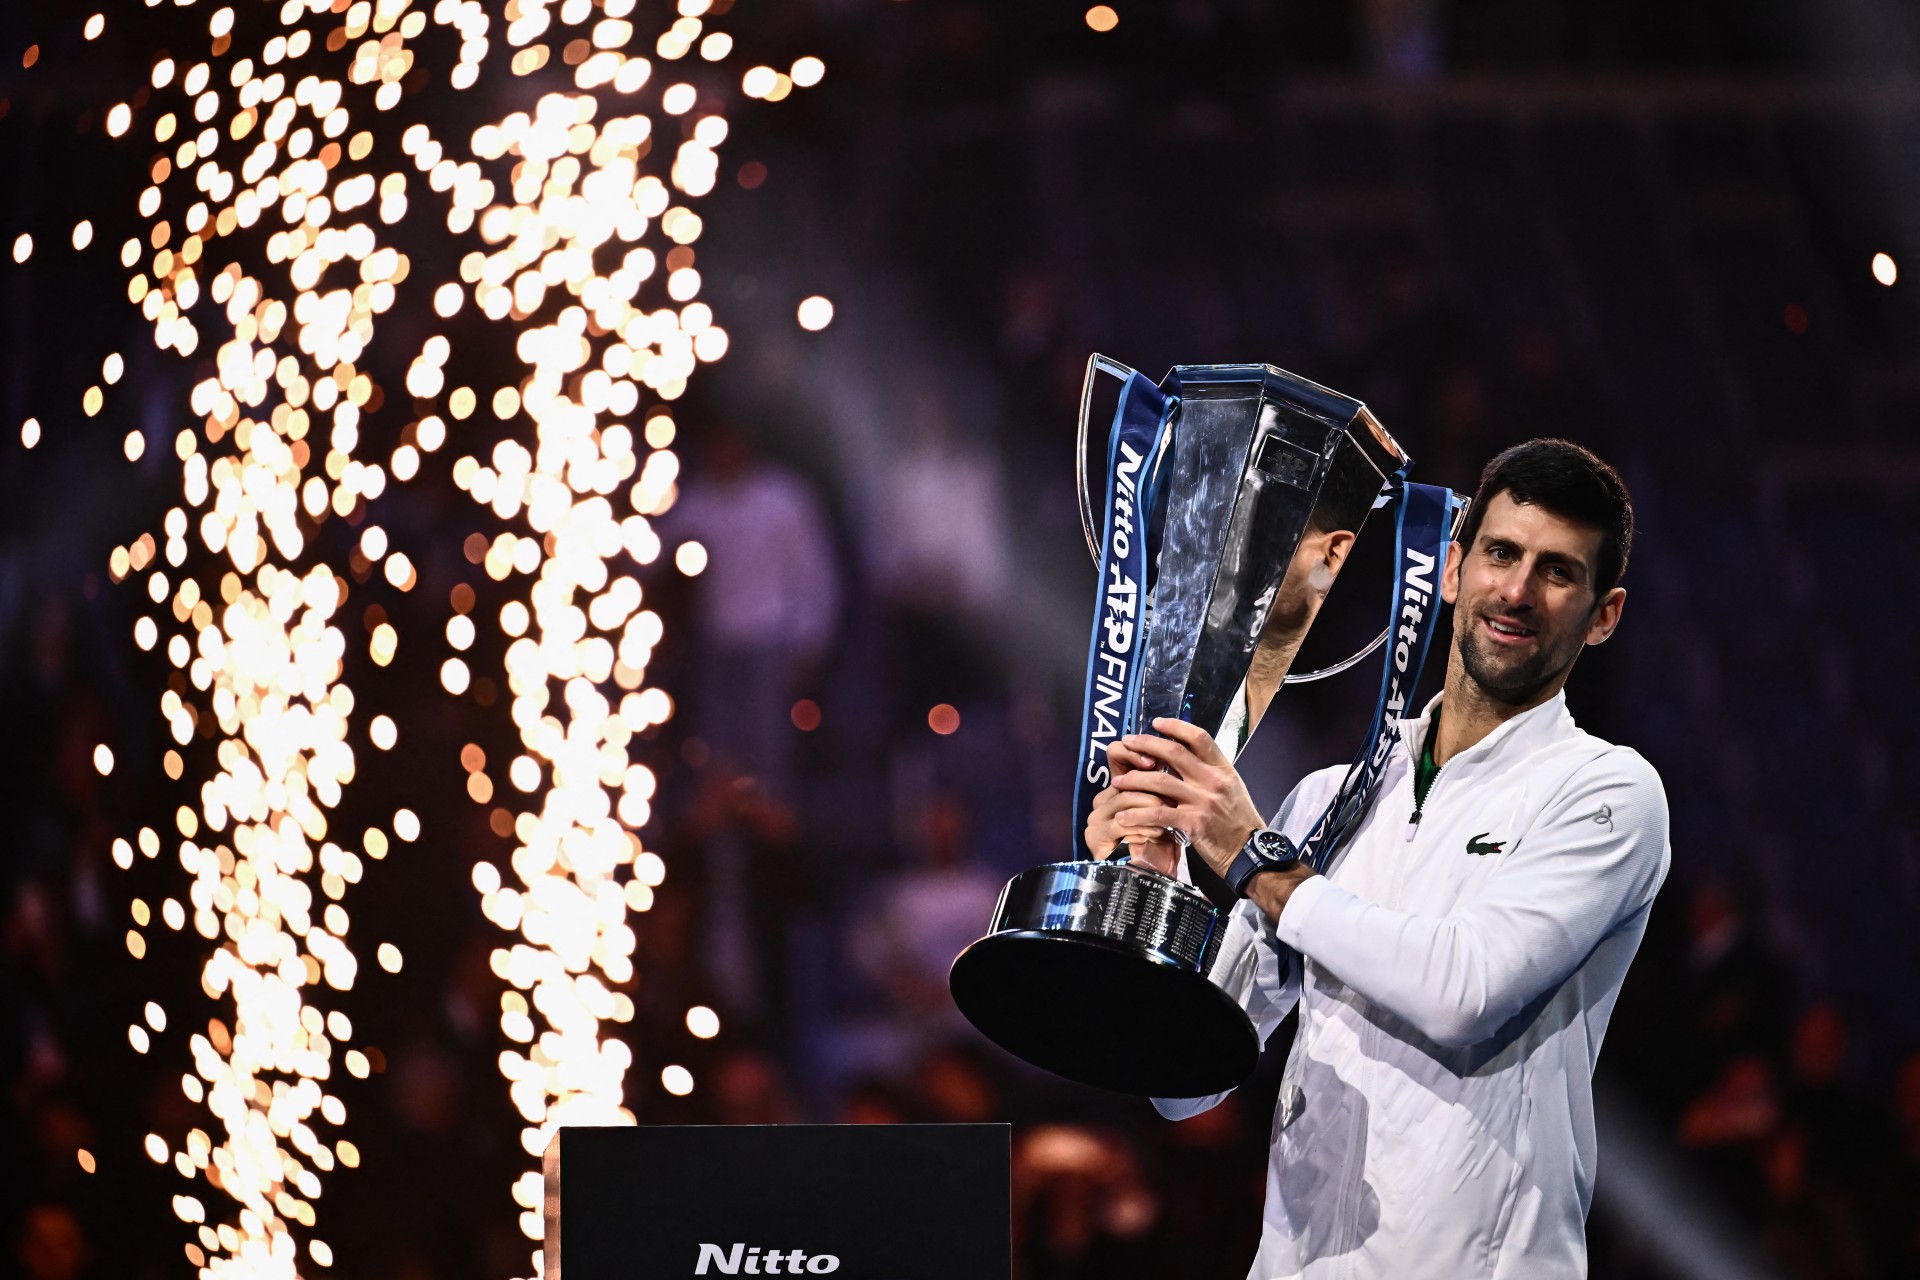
[1419, 805]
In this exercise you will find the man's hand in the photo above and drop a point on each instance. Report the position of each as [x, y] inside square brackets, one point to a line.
[1199, 794]
[1115, 820]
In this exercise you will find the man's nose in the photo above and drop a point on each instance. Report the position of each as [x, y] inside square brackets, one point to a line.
[1515, 587]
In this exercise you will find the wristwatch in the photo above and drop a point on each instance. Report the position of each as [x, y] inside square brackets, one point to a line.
[1265, 850]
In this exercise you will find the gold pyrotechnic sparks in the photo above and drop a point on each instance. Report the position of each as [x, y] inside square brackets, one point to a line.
[576, 256]
[248, 140]
[266, 253]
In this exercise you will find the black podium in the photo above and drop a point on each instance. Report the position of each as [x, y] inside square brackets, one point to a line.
[862, 1202]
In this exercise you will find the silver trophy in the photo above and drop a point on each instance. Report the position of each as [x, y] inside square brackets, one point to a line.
[1105, 972]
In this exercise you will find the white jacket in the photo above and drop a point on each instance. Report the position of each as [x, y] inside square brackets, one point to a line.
[1436, 1114]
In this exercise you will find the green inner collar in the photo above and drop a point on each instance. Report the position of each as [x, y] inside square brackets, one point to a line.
[1424, 768]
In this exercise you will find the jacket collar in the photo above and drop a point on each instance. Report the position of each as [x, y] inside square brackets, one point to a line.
[1520, 736]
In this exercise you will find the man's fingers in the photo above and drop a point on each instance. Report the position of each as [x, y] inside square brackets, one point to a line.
[1154, 782]
[1124, 760]
[1112, 821]
[1153, 820]
[1163, 751]
[1193, 737]
[1140, 819]
[1113, 800]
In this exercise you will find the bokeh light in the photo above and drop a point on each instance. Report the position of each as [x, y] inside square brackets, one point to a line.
[815, 313]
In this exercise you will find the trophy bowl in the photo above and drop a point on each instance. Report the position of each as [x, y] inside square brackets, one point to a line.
[1093, 968]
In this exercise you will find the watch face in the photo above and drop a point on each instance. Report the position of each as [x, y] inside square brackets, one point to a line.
[1271, 845]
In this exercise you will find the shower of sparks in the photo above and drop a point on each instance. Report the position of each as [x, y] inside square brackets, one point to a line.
[560, 206]
[565, 263]
[252, 637]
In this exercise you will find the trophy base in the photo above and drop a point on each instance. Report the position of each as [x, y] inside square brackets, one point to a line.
[1114, 976]
[1100, 1014]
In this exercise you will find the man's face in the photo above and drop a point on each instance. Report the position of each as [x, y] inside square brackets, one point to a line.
[1525, 601]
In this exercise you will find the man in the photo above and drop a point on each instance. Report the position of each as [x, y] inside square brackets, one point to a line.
[1456, 966]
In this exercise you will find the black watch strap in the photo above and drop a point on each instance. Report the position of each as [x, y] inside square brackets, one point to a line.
[1265, 850]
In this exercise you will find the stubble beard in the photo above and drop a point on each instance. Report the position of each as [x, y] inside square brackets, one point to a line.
[1515, 681]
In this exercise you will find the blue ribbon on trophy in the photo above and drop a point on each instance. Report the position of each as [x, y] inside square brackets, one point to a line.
[1423, 527]
[1134, 450]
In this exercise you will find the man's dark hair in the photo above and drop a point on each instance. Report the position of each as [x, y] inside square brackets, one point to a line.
[1571, 482]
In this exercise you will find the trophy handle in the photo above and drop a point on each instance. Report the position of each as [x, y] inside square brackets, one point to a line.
[1334, 670]
[1096, 364]
[1459, 517]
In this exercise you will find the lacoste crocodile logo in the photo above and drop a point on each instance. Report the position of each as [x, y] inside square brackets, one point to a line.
[1475, 844]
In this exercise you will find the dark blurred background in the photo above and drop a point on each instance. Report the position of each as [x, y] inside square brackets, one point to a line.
[1651, 227]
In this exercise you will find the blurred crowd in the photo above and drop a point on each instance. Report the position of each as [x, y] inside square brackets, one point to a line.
[1811, 1148]
[877, 667]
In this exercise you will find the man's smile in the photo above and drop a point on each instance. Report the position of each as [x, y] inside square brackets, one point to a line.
[1506, 630]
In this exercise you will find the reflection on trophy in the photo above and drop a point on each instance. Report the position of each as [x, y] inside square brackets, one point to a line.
[1234, 493]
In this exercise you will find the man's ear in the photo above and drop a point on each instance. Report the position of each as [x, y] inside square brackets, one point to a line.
[1450, 575]
[1339, 543]
[1606, 616]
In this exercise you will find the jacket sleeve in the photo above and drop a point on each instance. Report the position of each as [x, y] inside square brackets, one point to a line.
[1276, 982]
[1569, 882]
[1275, 990]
